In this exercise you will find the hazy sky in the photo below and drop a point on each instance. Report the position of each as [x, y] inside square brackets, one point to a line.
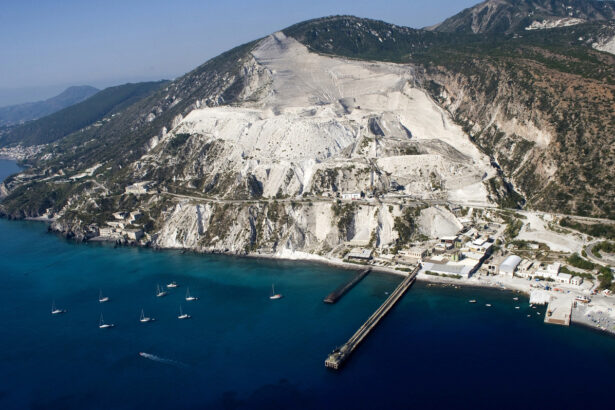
[46, 45]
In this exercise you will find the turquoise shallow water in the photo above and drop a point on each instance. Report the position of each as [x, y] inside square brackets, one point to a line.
[241, 350]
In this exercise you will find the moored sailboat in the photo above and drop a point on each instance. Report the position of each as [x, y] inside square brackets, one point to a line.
[183, 315]
[103, 325]
[55, 310]
[160, 292]
[145, 319]
[101, 298]
[190, 298]
[274, 295]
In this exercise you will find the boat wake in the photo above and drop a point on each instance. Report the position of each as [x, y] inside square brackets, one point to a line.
[159, 359]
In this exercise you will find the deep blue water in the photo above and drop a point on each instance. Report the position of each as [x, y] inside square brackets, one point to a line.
[241, 350]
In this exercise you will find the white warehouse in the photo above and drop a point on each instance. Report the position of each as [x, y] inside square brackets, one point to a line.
[509, 265]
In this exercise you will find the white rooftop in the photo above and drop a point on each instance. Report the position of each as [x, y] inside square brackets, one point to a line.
[510, 264]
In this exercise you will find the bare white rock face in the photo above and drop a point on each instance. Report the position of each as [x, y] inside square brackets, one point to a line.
[607, 45]
[308, 123]
[308, 113]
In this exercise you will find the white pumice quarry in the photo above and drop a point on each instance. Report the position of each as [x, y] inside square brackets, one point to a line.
[313, 125]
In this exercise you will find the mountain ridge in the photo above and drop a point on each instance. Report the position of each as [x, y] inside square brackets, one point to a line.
[77, 116]
[15, 114]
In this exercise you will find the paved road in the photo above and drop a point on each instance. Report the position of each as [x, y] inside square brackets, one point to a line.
[378, 201]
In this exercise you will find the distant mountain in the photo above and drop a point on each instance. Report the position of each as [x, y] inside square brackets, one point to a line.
[15, 114]
[86, 113]
[507, 16]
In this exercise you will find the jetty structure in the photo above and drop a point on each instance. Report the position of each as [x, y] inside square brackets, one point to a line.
[559, 310]
[336, 359]
[341, 291]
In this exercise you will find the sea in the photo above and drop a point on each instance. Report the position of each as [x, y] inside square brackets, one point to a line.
[241, 350]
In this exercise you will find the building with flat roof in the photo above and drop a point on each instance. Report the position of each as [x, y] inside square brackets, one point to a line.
[351, 195]
[448, 269]
[416, 252]
[563, 278]
[550, 271]
[360, 254]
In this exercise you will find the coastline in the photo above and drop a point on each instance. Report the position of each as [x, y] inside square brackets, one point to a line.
[477, 281]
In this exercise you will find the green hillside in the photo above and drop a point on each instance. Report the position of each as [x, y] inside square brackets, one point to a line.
[62, 123]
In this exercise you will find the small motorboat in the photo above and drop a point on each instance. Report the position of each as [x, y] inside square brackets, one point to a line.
[488, 304]
[517, 307]
[145, 319]
[183, 315]
[172, 285]
[515, 298]
[55, 310]
[274, 295]
[103, 325]
[472, 301]
[160, 292]
[101, 298]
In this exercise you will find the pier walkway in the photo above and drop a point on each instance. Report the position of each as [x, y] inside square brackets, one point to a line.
[339, 356]
[341, 291]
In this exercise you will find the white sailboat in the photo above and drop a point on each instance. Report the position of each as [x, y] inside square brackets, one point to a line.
[273, 294]
[101, 298]
[183, 315]
[172, 285]
[102, 324]
[190, 298]
[160, 292]
[55, 310]
[145, 319]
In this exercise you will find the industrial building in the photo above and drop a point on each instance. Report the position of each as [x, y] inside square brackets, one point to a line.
[509, 266]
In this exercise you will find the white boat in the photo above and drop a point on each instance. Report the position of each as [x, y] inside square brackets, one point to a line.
[516, 307]
[274, 295]
[190, 298]
[515, 298]
[172, 285]
[102, 324]
[160, 292]
[488, 304]
[101, 298]
[183, 315]
[472, 301]
[145, 319]
[55, 310]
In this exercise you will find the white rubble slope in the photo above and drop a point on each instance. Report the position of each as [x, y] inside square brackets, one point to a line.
[607, 45]
[312, 113]
[554, 23]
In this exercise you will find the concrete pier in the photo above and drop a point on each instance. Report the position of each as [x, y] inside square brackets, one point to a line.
[559, 310]
[340, 355]
[341, 291]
